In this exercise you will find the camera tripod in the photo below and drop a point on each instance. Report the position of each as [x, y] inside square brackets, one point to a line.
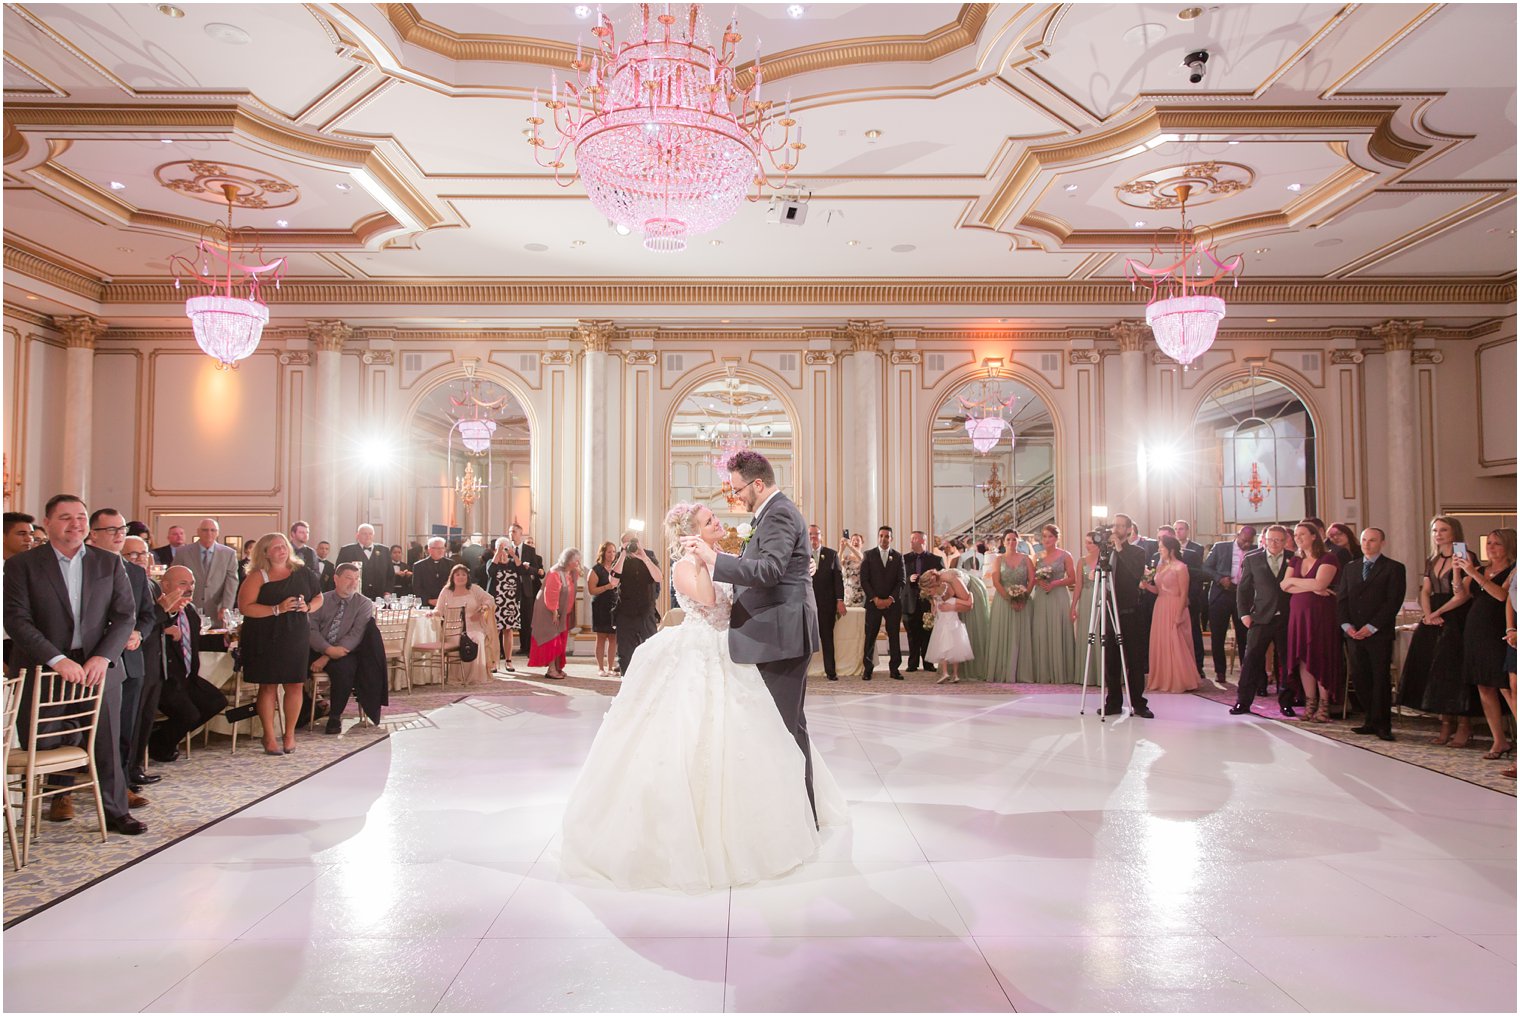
[1102, 626]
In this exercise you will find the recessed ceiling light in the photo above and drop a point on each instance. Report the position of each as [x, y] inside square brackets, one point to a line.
[904, 248]
[118, 185]
[343, 186]
[537, 248]
[1232, 142]
[723, 321]
[1271, 321]
[577, 243]
[1145, 34]
[232, 35]
[166, 141]
[1333, 241]
[1139, 223]
[170, 11]
[1070, 187]
[1189, 13]
[282, 223]
[125, 250]
[1295, 187]
[796, 11]
[31, 296]
[872, 135]
[715, 243]
[852, 243]
[582, 11]
[1263, 250]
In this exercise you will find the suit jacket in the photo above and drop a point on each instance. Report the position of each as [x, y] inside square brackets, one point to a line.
[917, 564]
[374, 573]
[308, 554]
[429, 577]
[1129, 568]
[164, 555]
[1220, 564]
[1192, 556]
[174, 659]
[134, 661]
[326, 571]
[828, 582]
[773, 616]
[1375, 600]
[216, 588]
[880, 580]
[40, 621]
[361, 609]
[1260, 594]
[531, 572]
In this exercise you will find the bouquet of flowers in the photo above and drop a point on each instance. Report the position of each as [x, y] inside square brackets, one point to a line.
[1018, 594]
[1044, 573]
[929, 620]
[1150, 574]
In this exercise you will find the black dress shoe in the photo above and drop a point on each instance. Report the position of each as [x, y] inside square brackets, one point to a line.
[1288, 711]
[896, 676]
[1239, 710]
[1113, 710]
[1364, 729]
[866, 677]
[1385, 735]
[833, 677]
[125, 824]
[333, 727]
[139, 777]
[1144, 712]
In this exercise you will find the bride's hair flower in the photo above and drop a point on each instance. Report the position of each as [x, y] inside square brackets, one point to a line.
[680, 521]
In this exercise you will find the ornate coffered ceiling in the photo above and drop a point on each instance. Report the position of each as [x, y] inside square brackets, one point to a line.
[964, 161]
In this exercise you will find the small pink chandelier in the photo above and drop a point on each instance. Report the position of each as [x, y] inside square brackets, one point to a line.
[665, 138]
[985, 431]
[1183, 317]
[227, 326]
[475, 433]
[985, 425]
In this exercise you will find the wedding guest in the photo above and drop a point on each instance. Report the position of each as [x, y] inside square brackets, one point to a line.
[187, 700]
[602, 590]
[1054, 647]
[108, 533]
[1125, 651]
[530, 580]
[374, 561]
[503, 583]
[1511, 609]
[134, 551]
[949, 642]
[1367, 607]
[1342, 541]
[215, 567]
[1081, 594]
[850, 558]
[883, 579]
[401, 575]
[1314, 652]
[828, 596]
[335, 630]
[1198, 584]
[18, 533]
[634, 614]
[174, 539]
[325, 573]
[431, 574]
[916, 561]
[300, 532]
[554, 613]
[1483, 637]
[1223, 567]
[462, 598]
[274, 601]
[975, 560]
[1010, 655]
[1263, 608]
[1172, 667]
[1431, 678]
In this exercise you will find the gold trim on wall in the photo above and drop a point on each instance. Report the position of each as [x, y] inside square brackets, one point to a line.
[1478, 377]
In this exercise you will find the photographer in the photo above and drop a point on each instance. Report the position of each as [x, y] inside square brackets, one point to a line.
[1126, 561]
[634, 615]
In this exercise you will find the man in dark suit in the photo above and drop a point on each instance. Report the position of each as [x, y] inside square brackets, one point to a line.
[300, 532]
[325, 565]
[337, 628]
[176, 539]
[401, 575]
[1370, 595]
[135, 552]
[1223, 568]
[882, 579]
[431, 574]
[374, 561]
[69, 607]
[828, 595]
[915, 562]
[1129, 568]
[1263, 609]
[1198, 585]
[530, 579]
[189, 701]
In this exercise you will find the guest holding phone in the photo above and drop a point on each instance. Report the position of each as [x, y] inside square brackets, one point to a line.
[274, 599]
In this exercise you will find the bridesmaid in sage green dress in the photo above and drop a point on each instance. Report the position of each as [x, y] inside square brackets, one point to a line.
[1010, 635]
[1083, 600]
[978, 623]
[1055, 647]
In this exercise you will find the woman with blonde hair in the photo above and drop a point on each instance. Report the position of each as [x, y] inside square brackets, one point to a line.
[275, 638]
[949, 642]
[602, 588]
[1483, 638]
[851, 555]
[1431, 678]
[503, 585]
[479, 611]
[554, 614]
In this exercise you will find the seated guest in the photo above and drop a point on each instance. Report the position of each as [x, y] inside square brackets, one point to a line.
[187, 700]
[18, 533]
[337, 627]
[431, 574]
[479, 612]
[176, 539]
[374, 560]
[401, 575]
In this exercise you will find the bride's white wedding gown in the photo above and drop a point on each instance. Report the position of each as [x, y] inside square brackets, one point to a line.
[693, 782]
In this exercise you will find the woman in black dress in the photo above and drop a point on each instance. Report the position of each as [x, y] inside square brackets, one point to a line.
[276, 639]
[504, 583]
[1431, 678]
[602, 588]
[1483, 642]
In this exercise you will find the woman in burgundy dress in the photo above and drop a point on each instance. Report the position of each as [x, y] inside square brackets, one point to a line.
[1314, 640]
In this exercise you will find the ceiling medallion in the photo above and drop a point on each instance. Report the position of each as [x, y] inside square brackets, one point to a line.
[666, 139]
[209, 181]
[1206, 182]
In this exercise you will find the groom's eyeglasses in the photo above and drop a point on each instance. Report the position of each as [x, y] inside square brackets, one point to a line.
[749, 484]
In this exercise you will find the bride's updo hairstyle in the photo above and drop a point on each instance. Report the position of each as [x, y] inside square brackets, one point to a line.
[680, 522]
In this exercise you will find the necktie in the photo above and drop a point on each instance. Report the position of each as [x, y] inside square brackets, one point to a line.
[366, 552]
[184, 640]
[1366, 569]
[206, 559]
[337, 621]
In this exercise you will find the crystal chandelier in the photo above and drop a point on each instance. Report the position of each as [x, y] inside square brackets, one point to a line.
[985, 425]
[666, 138]
[994, 487]
[1183, 317]
[468, 488]
[476, 429]
[730, 436]
[227, 326]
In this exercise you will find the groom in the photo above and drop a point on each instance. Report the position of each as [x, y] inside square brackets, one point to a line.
[774, 623]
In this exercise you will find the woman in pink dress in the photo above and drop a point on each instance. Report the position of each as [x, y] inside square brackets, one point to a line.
[1314, 638]
[1173, 666]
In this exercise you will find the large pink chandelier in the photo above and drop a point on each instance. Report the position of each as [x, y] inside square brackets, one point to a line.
[1183, 317]
[666, 139]
[227, 326]
[478, 427]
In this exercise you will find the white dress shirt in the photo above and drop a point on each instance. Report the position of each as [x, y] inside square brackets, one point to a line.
[73, 578]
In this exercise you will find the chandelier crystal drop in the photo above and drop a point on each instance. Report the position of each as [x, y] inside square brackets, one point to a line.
[475, 433]
[1182, 313]
[227, 326]
[668, 133]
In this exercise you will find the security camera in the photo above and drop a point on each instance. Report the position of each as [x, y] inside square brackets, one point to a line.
[1195, 62]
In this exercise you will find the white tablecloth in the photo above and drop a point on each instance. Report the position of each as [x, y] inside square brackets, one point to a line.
[849, 645]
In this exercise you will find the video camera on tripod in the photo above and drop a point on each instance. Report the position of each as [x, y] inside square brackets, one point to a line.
[1103, 536]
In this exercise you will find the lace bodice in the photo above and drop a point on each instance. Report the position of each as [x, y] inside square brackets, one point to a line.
[714, 617]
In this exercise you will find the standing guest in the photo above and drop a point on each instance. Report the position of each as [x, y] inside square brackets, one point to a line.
[1054, 647]
[1368, 603]
[916, 561]
[69, 607]
[134, 551]
[1010, 637]
[850, 558]
[175, 539]
[473, 552]
[531, 580]
[634, 615]
[554, 614]
[951, 551]
[1263, 608]
[1431, 678]
[335, 630]
[1511, 609]
[1223, 569]
[828, 595]
[975, 560]
[503, 576]
[431, 574]
[188, 700]
[1081, 602]
[1124, 655]
[374, 560]
[108, 533]
[215, 567]
[401, 575]
[300, 532]
[275, 599]
[602, 591]
[1483, 636]
[461, 597]
[882, 580]
[1198, 587]
[325, 566]
[1172, 666]
[1343, 543]
[1313, 650]
[949, 643]
[18, 533]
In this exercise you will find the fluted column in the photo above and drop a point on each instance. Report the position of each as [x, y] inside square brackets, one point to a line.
[1406, 541]
[863, 398]
[327, 338]
[1126, 487]
[596, 490]
[79, 335]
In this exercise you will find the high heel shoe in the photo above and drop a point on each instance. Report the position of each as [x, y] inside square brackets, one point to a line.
[1322, 714]
[273, 751]
[1499, 753]
[1465, 735]
[1444, 738]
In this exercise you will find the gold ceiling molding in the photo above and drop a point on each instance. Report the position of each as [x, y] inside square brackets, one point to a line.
[417, 31]
[34, 264]
[15, 144]
[208, 181]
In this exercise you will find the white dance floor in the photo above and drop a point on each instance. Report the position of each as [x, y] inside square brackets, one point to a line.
[1005, 854]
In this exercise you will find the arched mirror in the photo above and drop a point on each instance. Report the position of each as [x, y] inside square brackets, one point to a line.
[990, 476]
[471, 461]
[1253, 441]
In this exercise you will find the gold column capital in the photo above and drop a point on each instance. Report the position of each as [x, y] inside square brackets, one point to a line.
[595, 336]
[1398, 335]
[865, 336]
[1130, 335]
[328, 336]
[80, 331]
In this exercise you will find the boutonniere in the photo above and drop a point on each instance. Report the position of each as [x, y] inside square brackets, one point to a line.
[745, 531]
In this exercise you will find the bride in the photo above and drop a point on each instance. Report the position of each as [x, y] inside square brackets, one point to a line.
[693, 782]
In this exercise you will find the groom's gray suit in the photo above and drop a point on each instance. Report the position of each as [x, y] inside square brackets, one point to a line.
[774, 624]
